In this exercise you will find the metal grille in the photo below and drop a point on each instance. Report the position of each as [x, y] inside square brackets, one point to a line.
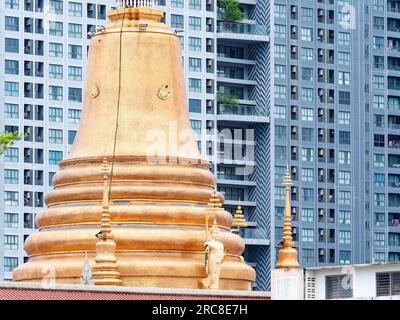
[136, 3]
[310, 288]
[337, 287]
[387, 284]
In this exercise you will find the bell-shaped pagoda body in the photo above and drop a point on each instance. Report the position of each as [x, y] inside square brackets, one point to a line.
[134, 116]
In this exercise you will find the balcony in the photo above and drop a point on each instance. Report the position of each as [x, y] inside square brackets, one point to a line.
[255, 236]
[393, 6]
[242, 31]
[394, 141]
[394, 181]
[239, 113]
[394, 161]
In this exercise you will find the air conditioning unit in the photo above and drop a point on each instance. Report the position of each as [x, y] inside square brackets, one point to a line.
[294, 49]
[320, 132]
[294, 149]
[321, 52]
[320, 12]
[321, 232]
[294, 89]
[210, 103]
[321, 252]
[293, 9]
[321, 92]
[321, 192]
[294, 190]
[321, 112]
[294, 109]
[293, 29]
[321, 152]
[209, 83]
[294, 170]
[294, 69]
[294, 210]
[321, 72]
[210, 144]
[294, 230]
[209, 42]
[321, 212]
[209, 63]
[209, 123]
[294, 129]
[321, 32]
[209, 21]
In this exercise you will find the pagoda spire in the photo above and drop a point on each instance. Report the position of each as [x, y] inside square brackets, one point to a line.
[106, 268]
[239, 220]
[287, 256]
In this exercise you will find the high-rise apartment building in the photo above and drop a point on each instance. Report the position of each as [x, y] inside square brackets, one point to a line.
[311, 83]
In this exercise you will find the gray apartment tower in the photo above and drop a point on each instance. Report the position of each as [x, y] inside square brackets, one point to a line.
[309, 83]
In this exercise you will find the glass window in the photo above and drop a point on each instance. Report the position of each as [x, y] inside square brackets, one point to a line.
[344, 157]
[307, 235]
[344, 58]
[345, 177]
[194, 64]
[75, 30]
[11, 45]
[280, 71]
[194, 85]
[75, 52]
[11, 155]
[75, 94]
[308, 255]
[75, 9]
[344, 38]
[195, 4]
[10, 220]
[56, 6]
[177, 3]
[280, 31]
[12, 4]
[307, 215]
[307, 154]
[307, 114]
[344, 78]
[280, 132]
[280, 51]
[11, 89]
[306, 34]
[379, 180]
[344, 217]
[345, 197]
[280, 112]
[55, 157]
[308, 194]
[344, 257]
[344, 237]
[11, 23]
[56, 28]
[10, 242]
[55, 50]
[11, 198]
[379, 199]
[10, 263]
[307, 175]
[280, 11]
[55, 136]
[195, 23]
[11, 111]
[379, 160]
[307, 14]
[379, 239]
[194, 44]
[307, 54]
[176, 21]
[280, 91]
[11, 176]
[55, 93]
[307, 94]
[55, 71]
[279, 193]
[280, 153]
[75, 73]
[344, 117]
[55, 114]
[196, 126]
[195, 105]
[74, 116]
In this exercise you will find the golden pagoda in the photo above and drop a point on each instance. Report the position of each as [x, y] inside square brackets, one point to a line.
[239, 220]
[287, 255]
[134, 117]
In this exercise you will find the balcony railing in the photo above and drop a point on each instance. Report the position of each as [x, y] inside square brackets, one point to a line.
[255, 233]
[136, 3]
[242, 28]
[242, 110]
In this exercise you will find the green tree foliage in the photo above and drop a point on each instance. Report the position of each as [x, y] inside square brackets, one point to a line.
[7, 139]
[230, 10]
[227, 98]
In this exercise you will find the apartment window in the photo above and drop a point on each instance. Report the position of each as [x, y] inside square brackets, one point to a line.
[378, 82]
[279, 173]
[344, 18]
[196, 126]
[194, 64]
[195, 4]
[280, 153]
[379, 199]
[195, 23]
[379, 62]
[11, 23]
[11, 176]
[11, 155]
[177, 3]
[307, 114]
[307, 215]
[55, 136]
[379, 23]
[12, 4]
[379, 257]
[279, 193]
[280, 91]
[11, 67]
[280, 112]
[306, 34]
[344, 157]
[10, 220]
[55, 114]
[280, 31]
[379, 180]
[307, 235]
[307, 74]
[71, 136]
[379, 239]
[75, 9]
[55, 157]
[378, 102]
[194, 44]
[344, 237]
[344, 257]
[10, 242]
[307, 54]
[307, 94]
[378, 42]
[11, 89]
[280, 11]
[378, 5]
[75, 30]
[195, 105]
[55, 50]
[75, 94]
[11, 198]
[56, 28]
[75, 73]
[344, 38]
[176, 21]
[307, 154]
[194, 85]
[10, 263]
[280, 132]
[344, 58]
[55, 93]
[344, 197]
[308, 194]
[307, 14]
[344, 177]
[334, 288]
[379, 140]
[280, 51]
[379, 160]
[344, 217]
[307, 175]
[344, 97]
[75, 52]
[280, 71]
[344, 137]
[56, 6]
[388, 283]
[379, 219]
[74, 116]
[55, 71]
[379, 120]
[308, 255]
[344, 117]
[11, 111]
[11, 45]
[344, 78]
[307, 134]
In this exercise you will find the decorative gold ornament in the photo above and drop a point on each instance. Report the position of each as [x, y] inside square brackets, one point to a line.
[163, 93]
[239, 221]
[94, 91]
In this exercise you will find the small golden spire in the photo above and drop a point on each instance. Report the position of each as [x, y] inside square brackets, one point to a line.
[287, 255]
[214, 205]
[239, 221]
[106, 268]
